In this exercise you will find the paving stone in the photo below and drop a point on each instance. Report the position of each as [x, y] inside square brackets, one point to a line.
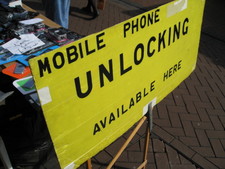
[103, 156]
[162, 122]
[223, 143]
[133, 146]
[215, 102]
[188, 128]
[142, 144]
[162, 109]
[172, 155]
[184, 160]
[175, 119]
[202, 138]
[215, 134]
[222, 119]
[190, 141]
[126, 165]
[180, 146]
[222, 100]
[178, 97]
[220, 162]
[215, 112]
[151, 158]
[203, 105]
[115, 146]
[176, 109]
[216, 123]
[202, 93]
[142, 130]
[203, 114]
[162, 161]
[204, 151]
[135, 156]
[190, 117]
[204, 163]
[192, 91]
[202, 79]
[163, 134]
[183, 166]
[203, 125]
[158, 146]
[217, 147]
[175, 131]
[213, 94]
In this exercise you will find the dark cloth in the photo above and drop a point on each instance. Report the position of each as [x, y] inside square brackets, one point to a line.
[4, 2]
[58, 11]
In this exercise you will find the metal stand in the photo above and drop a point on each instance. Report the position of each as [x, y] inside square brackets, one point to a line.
[4, 155]
[3, 152]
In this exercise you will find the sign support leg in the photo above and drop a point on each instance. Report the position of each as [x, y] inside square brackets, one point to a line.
[127, 142]
[89, 165]
[147, 138]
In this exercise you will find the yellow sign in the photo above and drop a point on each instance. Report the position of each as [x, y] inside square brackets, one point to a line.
[94, 89]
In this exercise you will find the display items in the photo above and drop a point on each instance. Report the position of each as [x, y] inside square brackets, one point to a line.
[24, 36]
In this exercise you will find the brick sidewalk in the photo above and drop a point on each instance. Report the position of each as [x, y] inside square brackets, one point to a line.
[189, 123]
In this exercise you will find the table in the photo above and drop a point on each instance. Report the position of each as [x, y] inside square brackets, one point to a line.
[25, 110]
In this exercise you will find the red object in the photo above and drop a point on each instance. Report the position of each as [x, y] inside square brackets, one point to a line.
[10, 71]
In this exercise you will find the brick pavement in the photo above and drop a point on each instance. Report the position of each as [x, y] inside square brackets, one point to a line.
[189, 123]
